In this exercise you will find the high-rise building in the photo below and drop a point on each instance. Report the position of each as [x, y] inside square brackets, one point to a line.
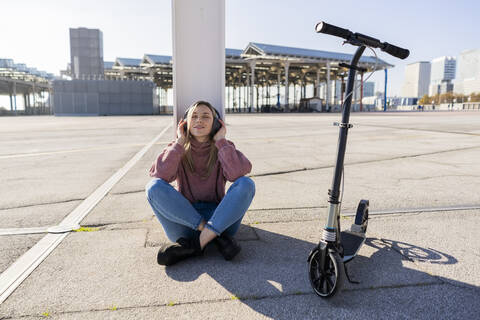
[468, 72]
[86, 53]
[417, 79]
[368, 89]
[442, 74]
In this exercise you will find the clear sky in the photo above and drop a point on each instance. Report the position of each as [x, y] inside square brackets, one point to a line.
[36, 32]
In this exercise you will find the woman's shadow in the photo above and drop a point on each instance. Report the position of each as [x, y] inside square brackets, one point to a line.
[273, 267]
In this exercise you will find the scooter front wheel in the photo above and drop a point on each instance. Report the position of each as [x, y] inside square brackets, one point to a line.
[328, 279]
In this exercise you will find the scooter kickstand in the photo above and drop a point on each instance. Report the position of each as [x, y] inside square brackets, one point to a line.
[348, 277]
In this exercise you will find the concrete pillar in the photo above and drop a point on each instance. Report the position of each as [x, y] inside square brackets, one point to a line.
[317, 88]
[25, 103]
[240, 97]
[198, 44]
[304, 86]
[268, 93]
[252, 83]
[234, 97]
[29, 103]
[327, 97]
[228, 98]
[294, 94]
[286, 66]
[50, 102]
[385, 92]
[15, 96]
[34, 98]
[335, 90]
[361, 91]
[256, 92]
[245, 97]
[260, 95]
[247, 93]
[355, 88]
[279, 79]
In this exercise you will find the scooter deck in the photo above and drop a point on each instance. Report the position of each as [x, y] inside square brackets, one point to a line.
[351, 244]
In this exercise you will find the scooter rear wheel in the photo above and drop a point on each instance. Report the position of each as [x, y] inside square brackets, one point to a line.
[361, 218]
[326, 280]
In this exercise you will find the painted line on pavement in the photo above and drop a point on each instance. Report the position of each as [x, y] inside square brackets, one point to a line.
[18, 271]
[20, 231]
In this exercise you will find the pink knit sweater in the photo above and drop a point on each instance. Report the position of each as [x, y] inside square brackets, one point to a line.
[231, 164]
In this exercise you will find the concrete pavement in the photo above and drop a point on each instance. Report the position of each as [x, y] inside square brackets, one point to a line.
[415, 264]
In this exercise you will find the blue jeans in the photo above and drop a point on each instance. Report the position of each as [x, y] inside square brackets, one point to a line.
[180, 218]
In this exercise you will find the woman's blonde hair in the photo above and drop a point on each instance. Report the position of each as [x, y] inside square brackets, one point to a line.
[187, 157]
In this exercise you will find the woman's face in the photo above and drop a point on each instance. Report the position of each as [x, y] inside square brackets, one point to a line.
[202, 122]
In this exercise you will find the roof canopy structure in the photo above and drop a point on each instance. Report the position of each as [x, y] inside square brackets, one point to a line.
[24, 79]
[269, 63]
[126, 63]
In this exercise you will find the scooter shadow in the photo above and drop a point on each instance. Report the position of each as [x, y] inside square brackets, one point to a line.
[270, 273]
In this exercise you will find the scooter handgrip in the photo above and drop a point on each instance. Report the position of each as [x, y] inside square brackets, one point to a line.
[324, 27]
[395, 51]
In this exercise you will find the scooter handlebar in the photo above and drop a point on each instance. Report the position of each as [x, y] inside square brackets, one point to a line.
[395, 51]
[323, 27]
[361, 39]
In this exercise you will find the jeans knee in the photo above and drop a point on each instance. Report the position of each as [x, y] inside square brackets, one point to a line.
[246, 184]
[155, 187]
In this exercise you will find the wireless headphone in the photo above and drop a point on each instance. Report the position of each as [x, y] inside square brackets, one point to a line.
[216, 124]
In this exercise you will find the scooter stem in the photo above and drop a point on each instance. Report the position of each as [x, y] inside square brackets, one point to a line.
[334, 192]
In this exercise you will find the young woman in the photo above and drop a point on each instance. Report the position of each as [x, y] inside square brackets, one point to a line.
[198, 211]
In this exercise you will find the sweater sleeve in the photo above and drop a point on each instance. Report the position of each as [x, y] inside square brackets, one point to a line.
[234, 163]
[167, 162]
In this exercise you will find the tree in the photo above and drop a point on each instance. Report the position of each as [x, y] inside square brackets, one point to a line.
[475, 97]
[424, 100]
[447, 97]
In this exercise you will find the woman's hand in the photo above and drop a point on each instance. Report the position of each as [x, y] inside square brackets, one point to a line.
[181, 134]
[221, 133]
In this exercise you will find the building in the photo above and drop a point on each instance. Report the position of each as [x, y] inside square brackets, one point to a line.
[86, 53]
[90, 91]
[417, 79]
[103, 97]
[368, 89]
[468, 72]
[442, 75]
[18, 80]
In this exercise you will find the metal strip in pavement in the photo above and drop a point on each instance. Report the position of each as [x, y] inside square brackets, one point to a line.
[18, 271]
[64, 228]
[414, 210]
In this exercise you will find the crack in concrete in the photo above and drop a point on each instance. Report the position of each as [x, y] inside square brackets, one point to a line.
[42, 204]
[419, 129]
[287, 208]
[126, 192]
[255, 233]
[363, 162]
[436, 177]
[146, 237]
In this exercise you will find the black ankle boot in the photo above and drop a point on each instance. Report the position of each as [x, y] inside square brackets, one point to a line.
[227, 246]
[170, 254]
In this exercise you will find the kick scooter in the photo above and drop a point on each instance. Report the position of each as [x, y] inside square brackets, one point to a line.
[326, 262]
